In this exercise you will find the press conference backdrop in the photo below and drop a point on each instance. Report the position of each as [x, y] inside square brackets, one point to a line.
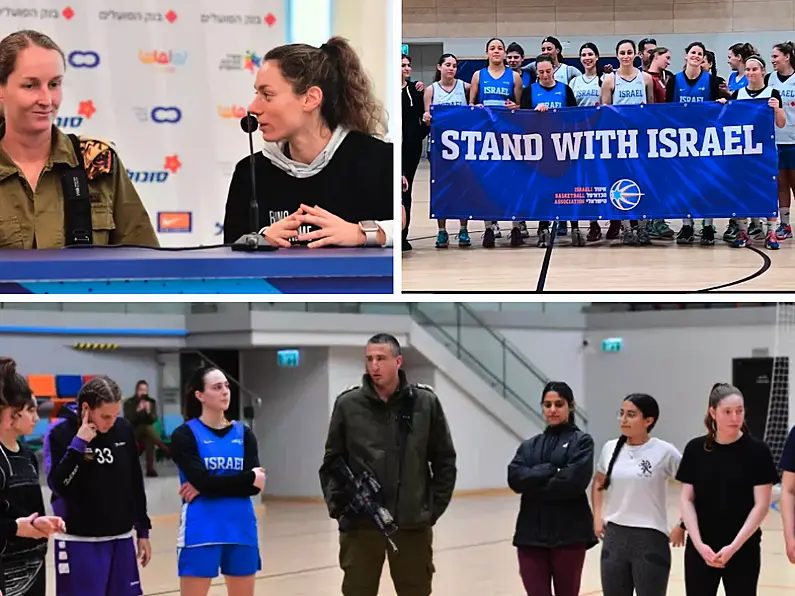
[167, 82]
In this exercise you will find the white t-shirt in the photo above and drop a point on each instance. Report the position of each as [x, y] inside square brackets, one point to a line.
[638, 483]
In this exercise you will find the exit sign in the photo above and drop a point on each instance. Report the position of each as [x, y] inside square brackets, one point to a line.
[288, 358]
[612, 344]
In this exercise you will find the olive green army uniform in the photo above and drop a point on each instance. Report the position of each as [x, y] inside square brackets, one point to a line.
[31, 219]
[364, 429]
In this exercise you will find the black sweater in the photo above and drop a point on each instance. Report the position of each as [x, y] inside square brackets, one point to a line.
[356, 185]
[20, 496]
[552, 471]
[185, 453]
[413, 108]
[98, 487]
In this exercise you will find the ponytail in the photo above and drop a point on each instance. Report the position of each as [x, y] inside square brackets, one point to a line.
[193, 407]
[717, 394]
[619, 444]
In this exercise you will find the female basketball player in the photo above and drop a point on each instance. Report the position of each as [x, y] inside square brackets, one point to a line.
[628, 86]
[413, 135]
[447, 90]
[91, 459]
[636, 468]
[548, 93]
[551, 471]
[738, 54]
[691, 85]
[754, 69]
[563, 72]
[514, 56]
[727, 478]
[783, 60]
[24, 527]
[219, 467]
[496, 86]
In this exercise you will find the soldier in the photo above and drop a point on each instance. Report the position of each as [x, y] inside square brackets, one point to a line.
[398, 433]
[39, 164]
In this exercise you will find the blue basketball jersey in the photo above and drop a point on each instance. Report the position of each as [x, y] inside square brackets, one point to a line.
[525, 78]
[552, 98]
[734, 85]
[699, 91]
[211, 520]
[495, 92]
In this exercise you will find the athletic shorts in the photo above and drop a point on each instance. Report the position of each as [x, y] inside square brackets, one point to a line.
[786, 157]
[234, 560]
[24, 578]
[107, 568]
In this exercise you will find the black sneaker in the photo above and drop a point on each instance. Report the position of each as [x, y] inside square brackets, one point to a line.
[488, 238]
[516, 237]
[686, 235]
[407, 246]
[707, 236]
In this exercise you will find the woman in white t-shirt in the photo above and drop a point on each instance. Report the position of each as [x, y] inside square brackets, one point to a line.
[629, 504]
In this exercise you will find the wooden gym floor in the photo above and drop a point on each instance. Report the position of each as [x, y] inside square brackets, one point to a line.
[597, 267]
[473, 553]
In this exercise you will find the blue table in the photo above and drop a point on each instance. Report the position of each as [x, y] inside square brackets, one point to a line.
[206, 271]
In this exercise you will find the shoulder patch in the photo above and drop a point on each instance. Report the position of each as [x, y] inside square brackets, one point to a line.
[424, 386]
[98, 157]
[348, 389]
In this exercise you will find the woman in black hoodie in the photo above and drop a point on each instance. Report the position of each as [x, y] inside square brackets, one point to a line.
[414, 132]
[552, 471]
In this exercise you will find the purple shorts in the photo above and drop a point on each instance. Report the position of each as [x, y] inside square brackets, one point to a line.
[108, 568]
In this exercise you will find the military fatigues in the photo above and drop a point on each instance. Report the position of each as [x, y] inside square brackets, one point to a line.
[365, 431]
[36, 219]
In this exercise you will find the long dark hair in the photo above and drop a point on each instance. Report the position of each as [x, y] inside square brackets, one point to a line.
[193, 407]
[649, 408]
[788, 49]
[335, 67]
[743, 50]
[717, 394]
[709, 56]
[558, 46]
[599, 69]
[563, 390]
[15, 391]
[442, 58]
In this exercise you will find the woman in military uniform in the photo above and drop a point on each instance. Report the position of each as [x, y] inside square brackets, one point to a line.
[37, 159]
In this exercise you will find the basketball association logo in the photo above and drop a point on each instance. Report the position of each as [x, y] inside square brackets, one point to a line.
[625, 194]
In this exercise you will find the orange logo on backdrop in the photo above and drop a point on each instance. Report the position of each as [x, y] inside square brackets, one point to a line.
[174, 220]
[232, 111]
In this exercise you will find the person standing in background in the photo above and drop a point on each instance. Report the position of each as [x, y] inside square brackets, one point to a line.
[552, 471]
[398, 432]
[141, 411]
[414, 132]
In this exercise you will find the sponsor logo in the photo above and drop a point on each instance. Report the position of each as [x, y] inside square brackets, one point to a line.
[167, 59]
[238, 19]
[159, 114]
[137, 16]
[219, 231]
[37, 13]
[85, 111]
[233, 111]
[177, 222]
[625, 194]
[249, 61]
[171, 166]
[83, 59]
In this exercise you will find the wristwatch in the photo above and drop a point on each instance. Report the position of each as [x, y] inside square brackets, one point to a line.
[370, 229]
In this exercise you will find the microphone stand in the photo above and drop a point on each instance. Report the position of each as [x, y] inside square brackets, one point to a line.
[253, 241]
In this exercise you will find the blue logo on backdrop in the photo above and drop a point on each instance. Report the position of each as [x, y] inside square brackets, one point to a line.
[170, 115]
[608, 162]
[83, 59]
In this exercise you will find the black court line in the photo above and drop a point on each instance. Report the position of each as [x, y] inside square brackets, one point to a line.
[766, 263]
[542, 274]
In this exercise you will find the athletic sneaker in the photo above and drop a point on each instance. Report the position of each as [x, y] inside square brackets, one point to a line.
[523, 229]
[442, 239]
[732, 230]
[771, 242]
[488, 237]
[708, 236]
[644, 237]
[594, 232]
[685, 235]
[630, 237]
[495, 226]
[463, 239]
[543, 237]
[660, 229]
[614, 230]
[784, 231]
[755, 230]
[577, 239]
[563, 228]
[516, 237]
[742, 240]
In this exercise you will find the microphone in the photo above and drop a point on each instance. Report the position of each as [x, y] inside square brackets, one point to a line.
[253, 241]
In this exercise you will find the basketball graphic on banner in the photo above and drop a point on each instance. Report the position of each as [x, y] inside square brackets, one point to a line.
[165, 83]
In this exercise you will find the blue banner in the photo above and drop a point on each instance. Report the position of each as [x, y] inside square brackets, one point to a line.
[651, 161]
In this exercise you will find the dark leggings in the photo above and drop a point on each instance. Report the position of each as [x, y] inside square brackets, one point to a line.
[542, 567]
[635, 561]
[740, 576]
[412, 152]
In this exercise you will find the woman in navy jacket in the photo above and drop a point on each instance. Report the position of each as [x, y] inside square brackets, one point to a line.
[552, 471]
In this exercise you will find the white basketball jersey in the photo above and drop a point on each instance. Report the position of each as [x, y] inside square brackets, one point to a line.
[786, 135]
[629, 92]
[765, 93]
[586, 92]
[456, 97]
[565, 73]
